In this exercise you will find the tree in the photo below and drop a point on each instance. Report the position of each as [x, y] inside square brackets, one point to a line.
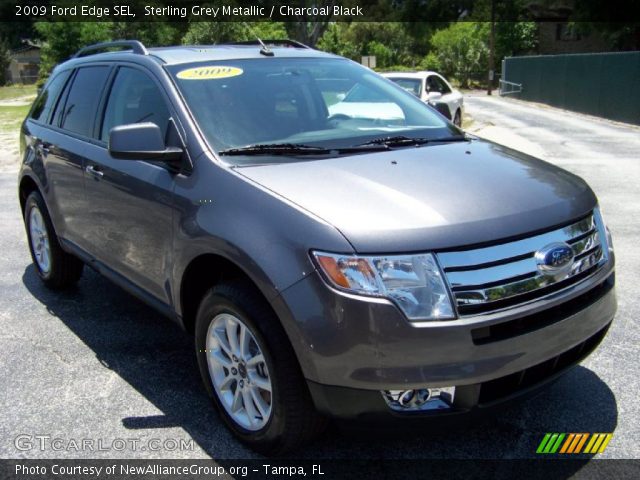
[5, 60]
[308, 29]
[388, 41]
[462, 50]
[62, 39]
[152, 33]
[209, 33]
[515, 38]
[617, 22]
[334, 40]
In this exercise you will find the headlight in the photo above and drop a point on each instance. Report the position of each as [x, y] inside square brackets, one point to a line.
[413, 282]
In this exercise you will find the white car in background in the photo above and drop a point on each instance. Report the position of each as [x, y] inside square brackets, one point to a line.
[430, 87]
[362, 102]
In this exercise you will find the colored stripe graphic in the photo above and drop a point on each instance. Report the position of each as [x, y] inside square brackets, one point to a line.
[581, 443]
[596, 445]
[555, 447]
[543, 443]
[592, 440]
[605, 442]
[567, 442]
[573, 443]
[578, 439]
[550, 443]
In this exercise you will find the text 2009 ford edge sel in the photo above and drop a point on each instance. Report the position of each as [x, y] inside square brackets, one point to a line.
[374, 263]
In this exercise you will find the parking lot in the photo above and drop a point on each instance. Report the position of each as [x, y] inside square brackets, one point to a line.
[96, 363]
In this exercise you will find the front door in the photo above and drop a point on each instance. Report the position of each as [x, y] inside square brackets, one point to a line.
[131, 201]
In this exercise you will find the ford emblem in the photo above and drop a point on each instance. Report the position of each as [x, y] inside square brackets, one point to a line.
[555, 258]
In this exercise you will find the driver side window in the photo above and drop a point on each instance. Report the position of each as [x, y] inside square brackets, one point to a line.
[436, 84]
[134, 98]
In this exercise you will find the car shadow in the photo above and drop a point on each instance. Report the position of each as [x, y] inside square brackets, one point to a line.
[156, 357]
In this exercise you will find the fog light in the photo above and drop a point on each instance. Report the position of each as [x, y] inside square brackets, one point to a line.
[435, 398]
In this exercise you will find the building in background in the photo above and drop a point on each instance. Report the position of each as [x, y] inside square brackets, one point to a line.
[25, 63]
[557, 34]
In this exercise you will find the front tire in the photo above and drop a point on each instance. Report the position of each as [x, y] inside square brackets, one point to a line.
[251, 372]
[56, 268]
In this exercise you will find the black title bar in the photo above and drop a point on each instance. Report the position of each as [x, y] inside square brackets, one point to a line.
[623, 11]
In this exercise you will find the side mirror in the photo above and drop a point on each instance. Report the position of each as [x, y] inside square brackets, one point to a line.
[434, 96]
[341, 96]
[141, 141]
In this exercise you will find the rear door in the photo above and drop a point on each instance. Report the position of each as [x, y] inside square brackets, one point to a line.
[130, 201]
[62, 144]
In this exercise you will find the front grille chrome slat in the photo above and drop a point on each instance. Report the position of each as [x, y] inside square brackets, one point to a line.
[504, 272]
[585, 244]
[506, 251]
[490, 275]
[488, 280]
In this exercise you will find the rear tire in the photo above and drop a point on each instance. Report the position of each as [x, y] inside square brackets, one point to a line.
[56, 268]
[286, 418]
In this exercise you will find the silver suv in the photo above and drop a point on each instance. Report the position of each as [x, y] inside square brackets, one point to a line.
[374, 263]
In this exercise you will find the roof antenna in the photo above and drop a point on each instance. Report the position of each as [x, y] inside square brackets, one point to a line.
[266, 51]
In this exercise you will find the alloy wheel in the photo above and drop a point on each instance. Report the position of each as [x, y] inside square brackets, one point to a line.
[239, 372]
[39, 240]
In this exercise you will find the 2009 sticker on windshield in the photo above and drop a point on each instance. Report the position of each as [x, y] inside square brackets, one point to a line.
[209, 73]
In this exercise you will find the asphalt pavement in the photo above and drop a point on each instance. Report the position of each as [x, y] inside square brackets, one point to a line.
[96, 364]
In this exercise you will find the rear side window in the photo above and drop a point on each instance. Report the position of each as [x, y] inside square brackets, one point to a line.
[46, 101]
[134, 98]
[82, 102]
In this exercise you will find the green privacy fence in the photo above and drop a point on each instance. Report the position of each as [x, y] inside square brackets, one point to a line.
[602, 84]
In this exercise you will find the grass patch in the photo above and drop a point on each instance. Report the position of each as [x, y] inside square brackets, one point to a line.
[17, 91]
[12, 117]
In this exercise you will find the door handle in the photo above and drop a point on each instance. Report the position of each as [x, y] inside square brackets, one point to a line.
[94, 171]
[42, 147]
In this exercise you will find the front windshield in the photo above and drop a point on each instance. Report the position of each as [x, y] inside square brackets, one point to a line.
[326, 102]
[411, 85]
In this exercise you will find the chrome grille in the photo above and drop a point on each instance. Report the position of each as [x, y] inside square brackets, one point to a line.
[489, 278]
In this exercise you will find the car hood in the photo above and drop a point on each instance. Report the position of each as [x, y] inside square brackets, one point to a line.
[433, 197]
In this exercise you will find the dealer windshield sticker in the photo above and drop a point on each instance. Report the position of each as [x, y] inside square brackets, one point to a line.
[209, 73]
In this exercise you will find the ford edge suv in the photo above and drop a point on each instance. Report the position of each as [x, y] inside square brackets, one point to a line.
[374, 264]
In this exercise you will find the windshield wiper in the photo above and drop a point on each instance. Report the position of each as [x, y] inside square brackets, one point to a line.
[402, 141]
[378, 144]
[276, 149]
[397, 141]
[457, 138]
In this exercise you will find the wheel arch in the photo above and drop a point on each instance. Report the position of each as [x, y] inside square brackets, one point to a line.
[26, 186]
[200, 275]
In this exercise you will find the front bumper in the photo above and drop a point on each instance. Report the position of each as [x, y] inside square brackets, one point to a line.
[350, 349]
[473, 400]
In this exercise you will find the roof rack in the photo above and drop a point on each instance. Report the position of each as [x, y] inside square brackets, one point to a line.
[283, 43]
[134, 45]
